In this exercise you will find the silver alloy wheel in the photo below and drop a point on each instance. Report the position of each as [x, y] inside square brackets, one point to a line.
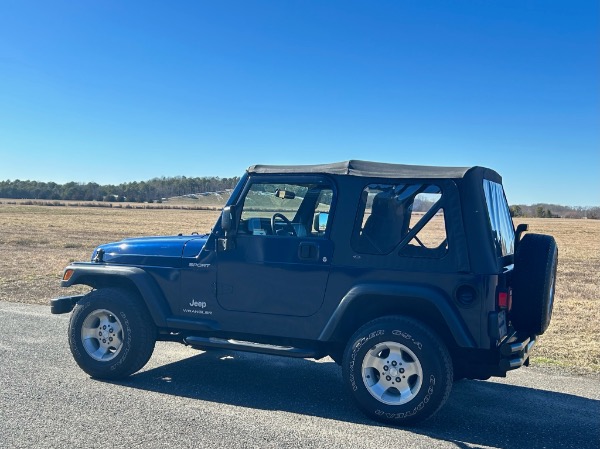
[392, 373]
[102, 335]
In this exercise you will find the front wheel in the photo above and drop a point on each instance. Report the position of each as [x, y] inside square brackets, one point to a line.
[397, 370]
[111, 334]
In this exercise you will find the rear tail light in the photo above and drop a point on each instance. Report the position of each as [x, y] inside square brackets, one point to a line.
[505, 299]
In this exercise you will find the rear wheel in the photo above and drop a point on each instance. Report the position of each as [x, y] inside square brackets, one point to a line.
[111, 334]
[397, 370]
[534, 281]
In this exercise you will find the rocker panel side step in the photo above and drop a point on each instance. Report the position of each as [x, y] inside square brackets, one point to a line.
[248, 346]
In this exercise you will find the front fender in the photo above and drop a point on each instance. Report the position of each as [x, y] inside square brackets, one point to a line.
[398, 298]
[97, 276]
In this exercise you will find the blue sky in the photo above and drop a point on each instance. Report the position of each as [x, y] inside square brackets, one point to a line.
[116, 91]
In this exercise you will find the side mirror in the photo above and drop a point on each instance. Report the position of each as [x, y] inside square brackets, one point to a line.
[227, 225]
[227, 218]
[320, 223]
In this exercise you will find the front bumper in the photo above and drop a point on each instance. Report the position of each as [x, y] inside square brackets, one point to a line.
[64, 304]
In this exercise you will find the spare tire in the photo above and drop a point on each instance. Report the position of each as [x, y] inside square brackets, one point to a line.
[534, 279]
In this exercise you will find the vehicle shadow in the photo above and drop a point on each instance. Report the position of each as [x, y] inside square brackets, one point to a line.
[477, 412]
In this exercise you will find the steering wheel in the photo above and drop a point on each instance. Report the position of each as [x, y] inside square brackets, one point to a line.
[287, 222]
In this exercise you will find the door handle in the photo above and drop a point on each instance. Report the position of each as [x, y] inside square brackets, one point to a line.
[308, 251]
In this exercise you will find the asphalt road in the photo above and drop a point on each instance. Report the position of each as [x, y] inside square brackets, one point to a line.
[186, 398]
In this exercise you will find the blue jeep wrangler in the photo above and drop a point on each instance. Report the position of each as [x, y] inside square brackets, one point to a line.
[407, 276]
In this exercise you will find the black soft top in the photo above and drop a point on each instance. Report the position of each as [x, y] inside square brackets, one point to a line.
[374, 170]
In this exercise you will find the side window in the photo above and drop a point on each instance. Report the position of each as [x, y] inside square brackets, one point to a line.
[431, 239]
[407, 218]
[383, 220]
[291, 210]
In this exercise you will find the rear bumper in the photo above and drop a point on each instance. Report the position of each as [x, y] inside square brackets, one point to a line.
[64, 304]
[515, 352]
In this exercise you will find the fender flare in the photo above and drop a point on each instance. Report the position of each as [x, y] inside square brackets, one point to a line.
[402, 293]
[85, 274]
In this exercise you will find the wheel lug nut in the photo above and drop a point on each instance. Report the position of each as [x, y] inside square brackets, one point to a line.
[100, 333]
[385, 368]
[104, 327]
[388, 378]
[394, 363]
[110, 339]
[401, 370]
[104, 340]
[398, 380]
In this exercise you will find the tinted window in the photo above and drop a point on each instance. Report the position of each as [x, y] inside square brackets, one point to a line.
[500, 220]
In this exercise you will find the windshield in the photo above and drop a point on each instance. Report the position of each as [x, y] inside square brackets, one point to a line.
[502, 225]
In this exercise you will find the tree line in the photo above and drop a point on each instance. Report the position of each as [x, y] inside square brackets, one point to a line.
[554, 211]
[155, 189]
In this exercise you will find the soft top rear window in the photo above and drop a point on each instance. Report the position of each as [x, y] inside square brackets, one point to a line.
[502, 226]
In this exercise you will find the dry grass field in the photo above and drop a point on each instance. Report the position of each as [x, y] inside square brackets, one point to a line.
[573, 338]
[36, 242]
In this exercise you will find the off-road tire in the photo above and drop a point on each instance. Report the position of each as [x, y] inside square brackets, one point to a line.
[381, 348]
[534, 280]
[126, 322]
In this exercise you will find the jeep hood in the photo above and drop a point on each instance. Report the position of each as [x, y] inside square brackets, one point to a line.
[156, 251]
